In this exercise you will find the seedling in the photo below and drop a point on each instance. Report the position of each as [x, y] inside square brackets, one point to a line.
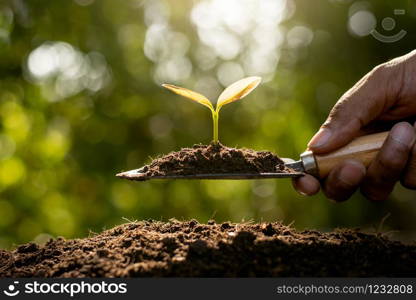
[236, 91]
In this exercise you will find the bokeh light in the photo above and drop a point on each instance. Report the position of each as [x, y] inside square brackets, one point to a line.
[72, 70]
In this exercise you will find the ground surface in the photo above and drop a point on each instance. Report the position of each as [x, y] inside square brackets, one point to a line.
[176, 248]
[215, 158]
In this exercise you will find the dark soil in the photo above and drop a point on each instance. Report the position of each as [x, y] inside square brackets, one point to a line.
[214, 159]
[181, 249]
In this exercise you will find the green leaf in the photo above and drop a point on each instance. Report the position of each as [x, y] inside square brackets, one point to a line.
[194, 96]
[237, 90]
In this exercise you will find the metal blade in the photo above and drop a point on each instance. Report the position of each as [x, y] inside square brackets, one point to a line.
[295, 165]
[138, 175]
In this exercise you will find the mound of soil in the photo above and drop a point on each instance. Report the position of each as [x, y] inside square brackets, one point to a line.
[213, 159]
[181, 249]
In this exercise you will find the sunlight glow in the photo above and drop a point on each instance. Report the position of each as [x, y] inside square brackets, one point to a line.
[247, 31]
[236, 38]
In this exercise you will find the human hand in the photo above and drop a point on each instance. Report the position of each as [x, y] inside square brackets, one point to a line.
[387, 93]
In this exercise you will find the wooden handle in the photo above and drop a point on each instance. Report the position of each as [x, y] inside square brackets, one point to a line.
[363, 148]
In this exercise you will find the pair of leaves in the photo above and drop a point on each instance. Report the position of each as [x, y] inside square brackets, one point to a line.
[234, 92]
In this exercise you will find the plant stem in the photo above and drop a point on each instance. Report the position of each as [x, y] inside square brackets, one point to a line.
[215, 126]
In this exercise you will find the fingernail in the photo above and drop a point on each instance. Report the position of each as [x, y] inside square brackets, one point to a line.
[320, 138]
[302, 193]
[403, 134]
[306, 186]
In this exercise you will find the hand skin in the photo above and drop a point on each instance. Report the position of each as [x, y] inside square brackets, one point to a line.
[386, 94]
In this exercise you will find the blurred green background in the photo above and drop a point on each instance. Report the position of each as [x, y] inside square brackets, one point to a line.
[80, 100]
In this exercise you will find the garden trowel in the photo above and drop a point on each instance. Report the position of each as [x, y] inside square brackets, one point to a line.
[363, 148]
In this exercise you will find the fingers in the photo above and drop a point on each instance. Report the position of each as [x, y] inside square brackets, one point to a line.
[364, 102]
[344, 180]
[306, 185]
[409, 176]
[395, 161]
[390, 163]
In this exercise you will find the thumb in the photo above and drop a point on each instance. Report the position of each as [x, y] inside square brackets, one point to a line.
[360, 105]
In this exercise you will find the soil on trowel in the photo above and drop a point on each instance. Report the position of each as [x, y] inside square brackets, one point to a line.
[182, 249]
[215, 159]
